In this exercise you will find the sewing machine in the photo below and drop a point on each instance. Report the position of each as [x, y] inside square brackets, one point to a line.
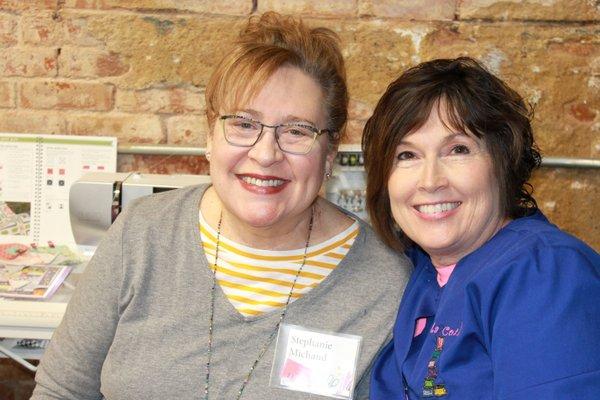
[97, 198]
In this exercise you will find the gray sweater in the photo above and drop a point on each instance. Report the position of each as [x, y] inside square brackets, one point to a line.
[136, 327]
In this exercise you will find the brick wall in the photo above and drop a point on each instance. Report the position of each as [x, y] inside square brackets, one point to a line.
[136, 69]
[16, 382]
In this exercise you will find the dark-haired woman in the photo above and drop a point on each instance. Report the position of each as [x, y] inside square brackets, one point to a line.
[502, 304]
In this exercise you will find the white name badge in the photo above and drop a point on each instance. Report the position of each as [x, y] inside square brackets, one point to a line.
[318, 362]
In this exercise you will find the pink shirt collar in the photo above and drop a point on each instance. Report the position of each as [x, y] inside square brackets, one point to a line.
[443, 273]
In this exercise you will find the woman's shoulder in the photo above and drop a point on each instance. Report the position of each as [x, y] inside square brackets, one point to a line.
[532, 249]
[174, 207]
[165, 201]
[536, 229]
[534, 234]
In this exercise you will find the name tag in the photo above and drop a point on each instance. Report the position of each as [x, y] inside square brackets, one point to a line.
[313, 361]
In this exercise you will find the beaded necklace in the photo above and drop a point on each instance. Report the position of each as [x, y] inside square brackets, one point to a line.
[281, 316]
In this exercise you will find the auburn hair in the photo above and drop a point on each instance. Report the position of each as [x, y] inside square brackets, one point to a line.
[267, 43]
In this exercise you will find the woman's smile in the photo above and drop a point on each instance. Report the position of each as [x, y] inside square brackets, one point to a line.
[437, 210]
[262, 184]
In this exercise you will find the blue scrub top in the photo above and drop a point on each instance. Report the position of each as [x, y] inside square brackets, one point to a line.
[518, 319]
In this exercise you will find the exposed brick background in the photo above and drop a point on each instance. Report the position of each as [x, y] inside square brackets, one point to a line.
[16, 382]
[7, 94]
[66, 95]
[136, 69]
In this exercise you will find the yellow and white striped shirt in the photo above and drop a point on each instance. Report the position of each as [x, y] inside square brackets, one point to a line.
[258, 281]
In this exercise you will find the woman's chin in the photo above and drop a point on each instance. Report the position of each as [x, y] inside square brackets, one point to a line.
[261, 217]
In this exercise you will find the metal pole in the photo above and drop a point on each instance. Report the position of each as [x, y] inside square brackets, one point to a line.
[564, 162]
[162, 149]
[18, 359]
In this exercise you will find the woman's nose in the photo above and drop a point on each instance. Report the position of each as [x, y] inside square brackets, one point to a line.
[266, 151]
[433, 175]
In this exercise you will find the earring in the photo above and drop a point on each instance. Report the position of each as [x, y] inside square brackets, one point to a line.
[207, 155]
[327, 171]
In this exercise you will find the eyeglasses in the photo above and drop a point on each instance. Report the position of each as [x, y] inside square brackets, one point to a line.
[293, 138]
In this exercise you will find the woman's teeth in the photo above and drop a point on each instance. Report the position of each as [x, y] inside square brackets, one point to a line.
[437, 208]
[262, 182]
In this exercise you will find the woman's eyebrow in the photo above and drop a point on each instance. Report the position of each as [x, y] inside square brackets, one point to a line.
[255, 114]
[295, 119]
[250, 111]
[453, 136]
[447, 138]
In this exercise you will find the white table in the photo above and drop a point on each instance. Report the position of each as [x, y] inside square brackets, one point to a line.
[33, 319]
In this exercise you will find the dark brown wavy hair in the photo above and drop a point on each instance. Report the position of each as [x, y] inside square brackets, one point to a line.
[477, 103]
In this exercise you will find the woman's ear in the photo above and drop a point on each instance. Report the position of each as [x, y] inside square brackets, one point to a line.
[209, 139]
[208, 147]
[330, 160]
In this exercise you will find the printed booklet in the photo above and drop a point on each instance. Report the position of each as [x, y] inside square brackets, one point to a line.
[31, 281]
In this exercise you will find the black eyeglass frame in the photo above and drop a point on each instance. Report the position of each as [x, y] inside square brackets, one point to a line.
[314, 130]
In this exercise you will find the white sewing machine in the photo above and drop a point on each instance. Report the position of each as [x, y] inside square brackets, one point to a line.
[97, 198]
